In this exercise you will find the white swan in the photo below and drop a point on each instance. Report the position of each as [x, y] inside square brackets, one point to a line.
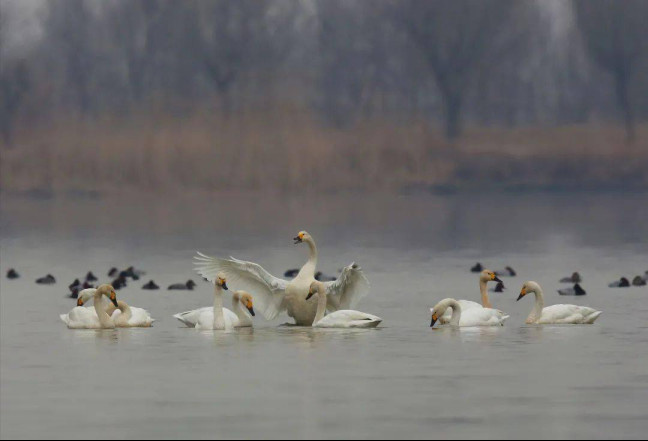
[218, 318]
[122, 315]
[86, 318]
[469, 318]
[126, 316]
[273, 295]
[484, 277]
[556, 314]
[338, 319]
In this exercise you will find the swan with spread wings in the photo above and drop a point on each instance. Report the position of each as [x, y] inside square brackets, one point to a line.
[273, 295]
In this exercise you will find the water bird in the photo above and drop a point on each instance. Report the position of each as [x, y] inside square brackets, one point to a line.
[469, 318]
[478, 268]
[320, 276]
[623, 282]
[275, 295]
[76, 283]
[218, 318]
[484, 277]
[87, 318]
[113, 272]
[91, 277]
[151, 285]
[74, 292]
[556, 314]
[506, 272]
[574, 278]
[12, 274]
[47, 280]
[183, 286]
[499, 287]
[87, 285]
[638, 281]
[577, 290]
[119, 283]
[343, 318]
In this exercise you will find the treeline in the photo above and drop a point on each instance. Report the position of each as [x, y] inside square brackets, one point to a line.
[495, 62]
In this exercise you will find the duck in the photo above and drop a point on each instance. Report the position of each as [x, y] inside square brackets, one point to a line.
[498, 288]
[638, 281]
[183, 286]
[274, 295]
[87, 285]
[556, 314]
[474, 317]
[291, 273]
[87, 318]
[119, 283]
[506, 272]
[75, 283]
[112, 272]
[341, 318]
[12, 274]
[74, 292]
[218, 318]
[477, 268]
[574, 278]
[577, 290]
[484, 277]
[151, 285]
[47, 280]
[621, 283]
[128, 274]
[90, 277]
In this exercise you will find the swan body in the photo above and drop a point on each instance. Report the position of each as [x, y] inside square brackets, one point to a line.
[273, 295]
[341, 318]
[485, 276]
[218, 318]
[126, 316]
[475, 317]
[87, 318]
[556, 314]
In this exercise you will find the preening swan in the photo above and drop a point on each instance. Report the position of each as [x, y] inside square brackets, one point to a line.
[273, 295]
[121, 314]
[218, 318]
[86, 318]
[484, 277]
[556, 314]
[340, 318]
[468, 318]
[125, 316]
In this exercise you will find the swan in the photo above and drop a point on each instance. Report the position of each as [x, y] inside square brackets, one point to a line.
[218, 318]
[125, 316]
[87, 318]
[273, 295]
[484, 277]
[340, 318]
[556, 314]
[467, 318]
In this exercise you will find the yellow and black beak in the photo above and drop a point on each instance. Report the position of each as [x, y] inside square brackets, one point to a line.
[80, 301]
[298, 239]
[494, 278]
[435, 318]
[310, 294]
[113, 299]
[250, 308]
[523, 292]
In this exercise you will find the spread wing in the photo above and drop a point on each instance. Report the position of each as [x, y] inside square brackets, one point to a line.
[267, 290]
[347, 291]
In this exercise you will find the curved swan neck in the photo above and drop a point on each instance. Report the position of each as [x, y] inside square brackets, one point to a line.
[100, 309]
[536, 313]
[456, 312]
[311, 265]
[219, 316]
[238, 309]
[483, 288]
[321, 306]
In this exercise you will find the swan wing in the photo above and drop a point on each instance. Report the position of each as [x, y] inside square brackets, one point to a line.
[465, 306]
[81, 318]
[568, 314]
[191, 318]
[482, 317]
[140, 318]
[347, 291]
[267, 290]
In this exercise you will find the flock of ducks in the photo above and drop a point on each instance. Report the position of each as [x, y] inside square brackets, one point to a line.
[333, 308]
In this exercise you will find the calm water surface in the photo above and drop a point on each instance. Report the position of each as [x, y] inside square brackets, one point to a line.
[401, 380]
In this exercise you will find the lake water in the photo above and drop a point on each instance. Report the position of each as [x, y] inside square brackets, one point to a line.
[400, 380]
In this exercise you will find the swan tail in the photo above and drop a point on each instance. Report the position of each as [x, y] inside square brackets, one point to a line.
[65, 318]
[592, 318]
[181, 318]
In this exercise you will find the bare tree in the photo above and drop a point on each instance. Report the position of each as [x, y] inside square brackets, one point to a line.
[616, 35]
[454, 38]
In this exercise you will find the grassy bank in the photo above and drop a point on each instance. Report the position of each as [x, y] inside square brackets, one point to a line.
[291, 150]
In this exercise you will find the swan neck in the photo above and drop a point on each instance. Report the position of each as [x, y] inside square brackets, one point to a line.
[219, 316]
[311, 265]
[456, 313]
[483, 288]
[536, 313]
[321, 307]
[100, 309]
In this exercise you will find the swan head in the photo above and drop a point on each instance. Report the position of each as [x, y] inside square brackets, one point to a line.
[314, 288]
[488, 276]
[529, 287]
[440, 309]
[303, 236]
[246, 300]
[221, 282]
[85, 296]
[108, 291]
